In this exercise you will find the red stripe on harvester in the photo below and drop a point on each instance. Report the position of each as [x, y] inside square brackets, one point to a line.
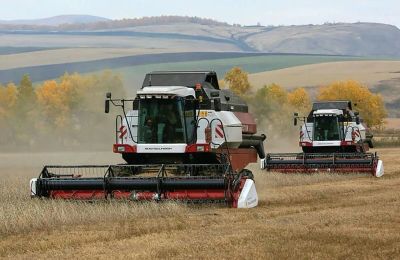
[123, 131]
[219, 132]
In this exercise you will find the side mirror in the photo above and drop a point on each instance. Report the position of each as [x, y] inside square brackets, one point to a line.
[295, 115]
[196, 104]
[217, 104]
[108, 95]
[107, 106]
[357, 120]
[214, 94]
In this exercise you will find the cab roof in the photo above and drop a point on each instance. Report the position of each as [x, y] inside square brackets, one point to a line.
[341, 104]
[189, 79]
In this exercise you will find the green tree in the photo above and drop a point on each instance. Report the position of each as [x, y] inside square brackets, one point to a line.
[268, 102]
[8, 97]
[273, 107]
[26, 95]
[24, 120]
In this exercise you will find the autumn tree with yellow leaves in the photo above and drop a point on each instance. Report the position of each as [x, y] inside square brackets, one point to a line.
[8, 98]
[237, 80]
[370, 106]
[53, 107]
[271, 105]
[68, 110]
[300, 100]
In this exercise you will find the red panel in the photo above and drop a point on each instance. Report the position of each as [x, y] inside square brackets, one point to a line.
[172, 195]
[346, 143]
[305, 144]
[241, 157]
[124, 148]
[196, 195]
[303, 169]
[121, 194]
[248, 122]
[237, 193]
[195, 148]
[79, 194]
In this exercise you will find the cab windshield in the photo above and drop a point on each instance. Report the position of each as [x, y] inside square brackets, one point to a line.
[326, 128]
[165, 121]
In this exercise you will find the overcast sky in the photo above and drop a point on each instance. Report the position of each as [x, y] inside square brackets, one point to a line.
[266, 12]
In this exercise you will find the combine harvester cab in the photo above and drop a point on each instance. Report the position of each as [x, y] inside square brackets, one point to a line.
[182, 138]
[333, 139]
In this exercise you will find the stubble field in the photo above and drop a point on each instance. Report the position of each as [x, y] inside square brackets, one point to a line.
[299, 216]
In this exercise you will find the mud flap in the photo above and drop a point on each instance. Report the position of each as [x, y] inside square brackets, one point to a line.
[248, 197]
[32, 184]
[379, 169]
[262, 163]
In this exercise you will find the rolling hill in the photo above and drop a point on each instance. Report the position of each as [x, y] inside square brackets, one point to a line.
[360, 39]
[58, 20]
[357, 39]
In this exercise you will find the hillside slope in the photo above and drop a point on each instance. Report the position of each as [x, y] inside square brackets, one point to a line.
[380, 76]
[357, 39]
[360, 39]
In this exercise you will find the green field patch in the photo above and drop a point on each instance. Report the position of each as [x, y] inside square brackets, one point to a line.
[133, 75]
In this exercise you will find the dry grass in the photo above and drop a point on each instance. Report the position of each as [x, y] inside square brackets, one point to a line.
[392, 123]
[300, 216]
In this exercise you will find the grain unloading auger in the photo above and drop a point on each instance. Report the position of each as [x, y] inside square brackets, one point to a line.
[182, 138]
[333, 139]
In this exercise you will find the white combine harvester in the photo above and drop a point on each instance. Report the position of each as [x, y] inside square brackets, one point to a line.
[182, 138]
[334, 139]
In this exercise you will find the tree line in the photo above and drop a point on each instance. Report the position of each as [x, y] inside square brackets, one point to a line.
[68, 111]
[114, 24]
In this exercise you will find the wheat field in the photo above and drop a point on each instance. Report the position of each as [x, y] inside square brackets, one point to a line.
[299, 216]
